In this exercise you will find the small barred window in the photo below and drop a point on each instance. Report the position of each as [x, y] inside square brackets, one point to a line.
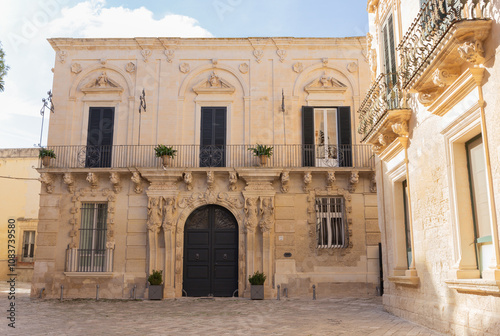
[331, 225]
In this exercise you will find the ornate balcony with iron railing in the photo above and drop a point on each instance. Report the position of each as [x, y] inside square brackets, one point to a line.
[385, 104]
[196, 156]
[444, 35]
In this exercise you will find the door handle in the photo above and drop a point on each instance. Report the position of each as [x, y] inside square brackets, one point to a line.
[224, 257]
[197, 256]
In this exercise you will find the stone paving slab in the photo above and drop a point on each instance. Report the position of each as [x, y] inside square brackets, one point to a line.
[197, 316]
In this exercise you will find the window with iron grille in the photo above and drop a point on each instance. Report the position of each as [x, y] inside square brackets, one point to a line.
[92, 249]
[331, 225]
[28, 245]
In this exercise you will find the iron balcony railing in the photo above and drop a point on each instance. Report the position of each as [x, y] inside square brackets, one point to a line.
[193, 156]
[89, 260]
[432, 23]
[384, 95]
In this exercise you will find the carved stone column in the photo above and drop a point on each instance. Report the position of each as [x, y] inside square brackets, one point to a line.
[169, 218]
[153, 225]
[251, 221]
[267, 227]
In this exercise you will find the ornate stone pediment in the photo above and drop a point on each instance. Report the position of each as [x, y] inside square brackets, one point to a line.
[325, 84]
[102, 84]
[214, 84]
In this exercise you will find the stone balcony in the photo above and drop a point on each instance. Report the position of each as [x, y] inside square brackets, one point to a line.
[444, 39]
[384, 113]
[202, 157]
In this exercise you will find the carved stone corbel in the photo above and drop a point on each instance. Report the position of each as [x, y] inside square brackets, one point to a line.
[383, 139]
[285, 181]
[401, 128]
[426, 98]
[69, 180]
[48, 180]
[281, 54]
[330, 179]
[114, 178]
[307, 181]
[137, 180]
[93, 180]
[233, 178]
[210, 180]
[188, 180]
[353, 181]
[146, 53]
[258, 54]
[472, 51]
[443, 78]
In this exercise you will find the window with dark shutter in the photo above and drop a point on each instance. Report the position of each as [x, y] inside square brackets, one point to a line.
[344, 132]
[100, 137]
[213, 137]
[308, 136]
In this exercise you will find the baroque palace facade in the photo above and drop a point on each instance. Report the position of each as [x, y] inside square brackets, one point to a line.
[431, 115]
[111, 212]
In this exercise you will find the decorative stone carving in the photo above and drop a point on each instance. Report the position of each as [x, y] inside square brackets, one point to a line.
[103, 61]
[114, 178]
[102, 83]
[258, 53]
[352, 67]
[383, 139]
[298, 67]
[324, 60]
[330, 179]
[184, 68]
[146, 53]
[401, 128]
[93, 180]
[353, 181]
[48, 180]
[373, 183]
[215, 61]
[372, 60]
[426, 98]
[188, 180]
[307, 180]
[76, 68]
[169, 211]
[267, 214]
[443, 78]
[154, 214]
[281, 54]
[325, 84]
[285, 181]
[210, 180]
[472, 52]
[69, 181]
[169, 53]
[243, 68]
[214, 84]
[233, 178]
[62, 56]
[137, 180]
[130, 67]
[251, 213]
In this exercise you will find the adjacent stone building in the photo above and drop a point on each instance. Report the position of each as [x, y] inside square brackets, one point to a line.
[431, 115]
[19, 202]
[111, 212]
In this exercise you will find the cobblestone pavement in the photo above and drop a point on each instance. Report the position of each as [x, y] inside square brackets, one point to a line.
[197, 316]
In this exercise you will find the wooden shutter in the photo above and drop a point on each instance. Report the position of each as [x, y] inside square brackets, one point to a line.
[100, 136]
[308, 156]
[213, 137]
[344, 135]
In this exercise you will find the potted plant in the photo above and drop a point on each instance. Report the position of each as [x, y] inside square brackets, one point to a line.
[166, 154]
[264, 152]
[46, 155]
[155, 285]
[257, 289]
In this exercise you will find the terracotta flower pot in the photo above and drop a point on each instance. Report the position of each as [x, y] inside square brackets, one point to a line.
[263, 159]
[167, 160]
[46, 161]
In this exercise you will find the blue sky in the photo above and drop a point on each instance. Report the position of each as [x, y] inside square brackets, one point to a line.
[26, 24]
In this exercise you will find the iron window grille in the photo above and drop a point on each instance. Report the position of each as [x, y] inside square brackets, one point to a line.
[91, 255]
[331, 224]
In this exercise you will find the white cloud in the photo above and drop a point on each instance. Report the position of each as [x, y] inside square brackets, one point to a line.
[26, 27]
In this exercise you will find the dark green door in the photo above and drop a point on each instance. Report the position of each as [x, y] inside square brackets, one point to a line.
[210, 252]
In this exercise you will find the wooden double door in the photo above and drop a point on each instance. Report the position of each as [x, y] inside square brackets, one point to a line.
[210, 252]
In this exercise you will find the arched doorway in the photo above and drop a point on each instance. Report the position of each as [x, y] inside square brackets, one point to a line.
[210, 252]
